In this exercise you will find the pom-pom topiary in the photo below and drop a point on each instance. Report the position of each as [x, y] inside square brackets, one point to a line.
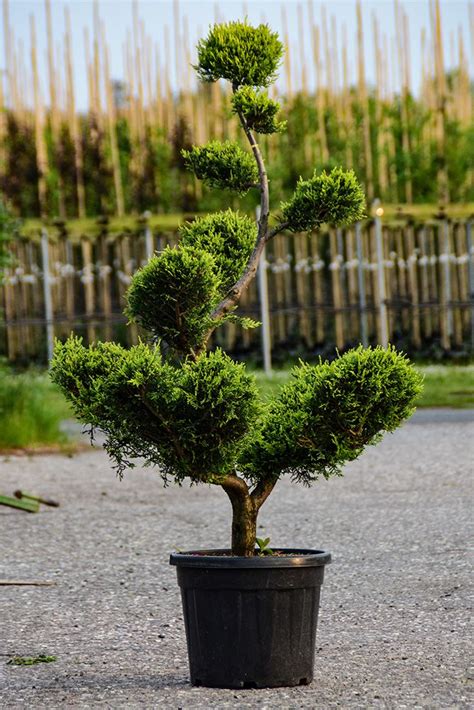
[240, 53]
[329, 412]
[173, 295]
[228, 236]
[333, 198]
[190, 421]
[258, 109]
[223, 165]
[197, 415]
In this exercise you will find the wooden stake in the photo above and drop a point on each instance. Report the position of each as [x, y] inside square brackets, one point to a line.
[320, 95]
[41, 151]
[424, 279]
[365, 105]
[289, 87]
[412, 263]
[335, 267]
[112, 119]
[74, 120]
[7, 38]
[88, 279]
[441, 102]
[55, 117]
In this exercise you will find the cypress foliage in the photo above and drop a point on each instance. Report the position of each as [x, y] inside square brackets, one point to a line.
[197, 415]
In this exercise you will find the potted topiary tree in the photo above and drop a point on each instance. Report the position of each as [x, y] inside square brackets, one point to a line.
[197, 415]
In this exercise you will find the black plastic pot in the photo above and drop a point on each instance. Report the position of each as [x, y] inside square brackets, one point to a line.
[251, 621]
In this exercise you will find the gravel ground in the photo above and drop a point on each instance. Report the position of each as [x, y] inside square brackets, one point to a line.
[393, 630]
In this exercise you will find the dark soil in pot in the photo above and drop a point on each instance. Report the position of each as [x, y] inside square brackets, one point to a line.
[251, 621]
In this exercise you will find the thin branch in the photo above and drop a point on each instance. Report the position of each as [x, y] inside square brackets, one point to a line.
[276, 230]
[234, 294]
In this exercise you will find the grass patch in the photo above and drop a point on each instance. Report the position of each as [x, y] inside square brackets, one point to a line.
[444, 385]
[30, 660]
[31, 411]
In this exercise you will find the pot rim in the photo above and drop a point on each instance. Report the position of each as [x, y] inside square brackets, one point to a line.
[296, 557]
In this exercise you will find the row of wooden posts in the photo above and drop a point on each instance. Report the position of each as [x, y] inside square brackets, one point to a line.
[373, 282]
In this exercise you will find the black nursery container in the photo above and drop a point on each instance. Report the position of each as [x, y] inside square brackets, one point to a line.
[251, 621]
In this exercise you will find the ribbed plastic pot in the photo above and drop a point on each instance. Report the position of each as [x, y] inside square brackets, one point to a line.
[251, 621]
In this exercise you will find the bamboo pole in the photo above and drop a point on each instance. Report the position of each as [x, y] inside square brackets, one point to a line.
[177, 41]
[41, 152]
[127, 265]
[3, 127]
[23, 93]
[424, 282]
[446, 315]
[412, 263]
[391, 139]
[402, 37]
[463, 272]
[361, 287]
[96, 73]
[304, 86]
[112, 120]
[288, 61]
[318, 280]
[88, 279]
[105, 270]
[346, 99]
[9, 301]
[335, 268]
[138, 78]
[441, 101]
[288, 262]
[68, 277]
[301, 277]
[456, 288]
[320, 95]
[74, 120]
[55, 118]
[170, 114]
[381, 154]
[7, 39]
[365, 104]
[90, 79]
[28, 334]
[158, 90]
[278, 286]
[48, 302]
[302, 50]
[351, 265]
[327, 57]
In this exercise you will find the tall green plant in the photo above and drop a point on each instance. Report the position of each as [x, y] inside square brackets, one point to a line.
[197, 414]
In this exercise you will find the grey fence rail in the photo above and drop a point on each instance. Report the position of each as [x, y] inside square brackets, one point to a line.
[399, 282]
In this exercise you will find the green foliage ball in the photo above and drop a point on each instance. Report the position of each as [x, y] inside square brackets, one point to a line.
[229, 236]
[240, 53]
[189, 420]
[173, 296]
[329, 198]
[223, 165]
[330, 412]
[258, 109]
